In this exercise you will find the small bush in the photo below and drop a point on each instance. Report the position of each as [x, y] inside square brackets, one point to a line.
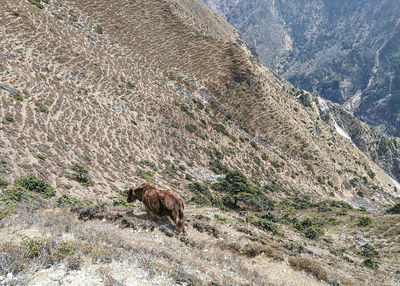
[81, 174]
[41, 156]
[218, 167]
[201, 200]
[9, 118]
[171, 76]
[313, 232]
[364, 221]
[394, 210]
[254, 145]
[41, 107]
[191, 128]
[17, 96]
[147, 175]
[3, 183]
[35, 247]
[36, 3]
[221, 218]
[369, 251]
[66, 200]
[371, 263]
[98, 29]
[36, 185]
[360, 194]
[220, 128]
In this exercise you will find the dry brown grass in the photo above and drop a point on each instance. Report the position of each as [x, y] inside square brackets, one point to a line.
[310, 266]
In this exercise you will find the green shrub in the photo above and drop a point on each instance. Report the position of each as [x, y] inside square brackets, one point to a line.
[236, 184]
[198, 188]
[191, 128]
[149, 164]
[41, 107]
[371, 263]
[254, 145]
[130, 84]
[201, 200]
[65, 249]
[67, 200]
[264, 157]
[81, 174]
[147, 175]
[313, 232]
[364, 221]
[9, 118]
[17, 96]
[369, 251]
[171, 76]
[394, 210]
[186, 109]
[41, 156]
[265, 224]
[219, 128]
[98, 29]
[17, 197]
[218, 167]
[360, 194]
[221, 218]
[354, 182]
[36, 185]
[35, 247]
[36, 3]
[3, 183]
[120, 202]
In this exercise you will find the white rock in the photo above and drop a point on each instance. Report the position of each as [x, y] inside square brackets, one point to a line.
[9, 275]
[1, 278]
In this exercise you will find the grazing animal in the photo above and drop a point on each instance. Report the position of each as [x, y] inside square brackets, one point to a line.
[160, 204]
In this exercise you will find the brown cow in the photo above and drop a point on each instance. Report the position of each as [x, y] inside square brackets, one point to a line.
[160, 204]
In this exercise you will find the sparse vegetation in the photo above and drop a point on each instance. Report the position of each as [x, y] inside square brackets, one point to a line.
[98, 29]
[310, 266]
[36, 185]
[81, 174]
[36, 3]
[364, 221]
[3, 183]
[147, 175]
[394, 210]
[191, 128]
[67, 200]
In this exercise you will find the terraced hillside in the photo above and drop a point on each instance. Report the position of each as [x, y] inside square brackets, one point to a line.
[98, 95]
[101, 88]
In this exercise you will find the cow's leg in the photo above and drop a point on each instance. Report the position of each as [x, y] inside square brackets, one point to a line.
[174, 215]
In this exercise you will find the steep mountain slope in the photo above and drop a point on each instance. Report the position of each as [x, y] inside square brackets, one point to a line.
[100, 91]
[346, 51]
[97, 96]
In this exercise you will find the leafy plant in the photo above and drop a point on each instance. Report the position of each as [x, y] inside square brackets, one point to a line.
[67, 200]
[81, 174]
[394, 210]
[36, 185]
[364, 221]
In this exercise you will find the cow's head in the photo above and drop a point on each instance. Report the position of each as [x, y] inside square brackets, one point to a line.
[136, 193]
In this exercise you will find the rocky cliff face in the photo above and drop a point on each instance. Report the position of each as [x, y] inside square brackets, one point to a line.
[346, 51]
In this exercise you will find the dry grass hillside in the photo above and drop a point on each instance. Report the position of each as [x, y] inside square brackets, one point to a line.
[96, 96]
